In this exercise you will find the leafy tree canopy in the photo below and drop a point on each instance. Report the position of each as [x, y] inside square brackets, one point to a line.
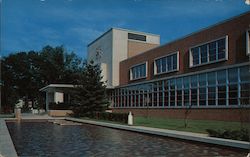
[24, 73]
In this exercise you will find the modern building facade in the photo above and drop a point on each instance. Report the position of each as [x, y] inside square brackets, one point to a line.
[206, 72]
[116, 45]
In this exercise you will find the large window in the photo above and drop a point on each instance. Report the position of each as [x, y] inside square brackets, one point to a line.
[167, 64]
[220, 88]
[209, 52]
[138, 71]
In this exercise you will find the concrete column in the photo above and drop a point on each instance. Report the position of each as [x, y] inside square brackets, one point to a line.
[47, 101]
[18, 113]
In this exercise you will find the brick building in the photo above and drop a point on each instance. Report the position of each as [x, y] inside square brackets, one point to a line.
[206, 72]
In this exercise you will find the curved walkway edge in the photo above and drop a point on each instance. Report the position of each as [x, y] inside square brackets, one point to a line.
[171, 133]
[7, 148]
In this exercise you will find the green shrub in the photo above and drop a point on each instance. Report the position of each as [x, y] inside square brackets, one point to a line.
[60, 106]
[242, 134]
[116, 117]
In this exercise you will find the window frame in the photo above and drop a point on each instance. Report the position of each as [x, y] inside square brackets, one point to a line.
[131, 72]
[170, 54]
[208, 62]
[248, 42]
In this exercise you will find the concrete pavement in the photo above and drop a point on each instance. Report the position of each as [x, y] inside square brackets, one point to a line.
[171, 133]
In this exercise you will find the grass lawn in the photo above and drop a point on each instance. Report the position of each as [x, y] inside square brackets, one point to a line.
[198, 126]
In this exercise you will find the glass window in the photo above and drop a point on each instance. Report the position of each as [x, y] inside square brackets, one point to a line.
[202, 96]
[222, 95]
[204, 53]
[248, 42]
[222, 87]
[166, 64]
[172, 84]
[194, 97]
[179, 97]
[186, 82]
[160, 98]
[169, 63]
[158, 65]
[202, 79]
[186, 97]
[138, 71]
[172, 98]
[221, 48]
[245, 94]
[160, 85]
[155, 98]
[196, 56]
[194, 81]
[166, 98]
[212, 51]
[211, 79]
[245, 74]
[179, 83]
[233, 94]
[221, 77]
[233, 75]
[150, 99]
[174, 57]
[211, 96]
[155, 86]
[179, 91]
[172, 92]
[166, 82]
[141, 98]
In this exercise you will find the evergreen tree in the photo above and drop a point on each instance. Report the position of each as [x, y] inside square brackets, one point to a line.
[90, 93]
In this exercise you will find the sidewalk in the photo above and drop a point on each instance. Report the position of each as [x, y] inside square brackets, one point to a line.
[7, 148]
[170, 133]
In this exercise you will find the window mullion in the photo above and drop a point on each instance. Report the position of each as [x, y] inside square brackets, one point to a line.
[239, 87]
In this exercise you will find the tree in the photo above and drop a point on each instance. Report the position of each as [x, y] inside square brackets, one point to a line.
[90, 93]
[24, 73]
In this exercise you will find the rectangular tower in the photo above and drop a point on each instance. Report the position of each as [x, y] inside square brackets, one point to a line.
[116, 45]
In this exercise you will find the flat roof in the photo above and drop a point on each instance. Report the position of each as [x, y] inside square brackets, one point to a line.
[122, 29]
[56, 86]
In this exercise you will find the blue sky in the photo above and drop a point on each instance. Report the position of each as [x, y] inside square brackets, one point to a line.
[32, 24]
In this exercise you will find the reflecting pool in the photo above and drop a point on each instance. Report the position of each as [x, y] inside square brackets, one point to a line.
[48, 139]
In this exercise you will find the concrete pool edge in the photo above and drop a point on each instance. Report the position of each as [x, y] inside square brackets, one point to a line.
[171, 133]
[7, 147]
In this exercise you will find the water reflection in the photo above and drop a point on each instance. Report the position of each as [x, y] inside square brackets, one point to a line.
[47, 139]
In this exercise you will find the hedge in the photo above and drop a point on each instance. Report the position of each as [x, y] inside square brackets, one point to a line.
[242, 135]
[60, 106]
[116, 117]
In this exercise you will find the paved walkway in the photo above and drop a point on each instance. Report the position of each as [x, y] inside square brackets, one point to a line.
[7, 148]
[171, 133]
[35, 116]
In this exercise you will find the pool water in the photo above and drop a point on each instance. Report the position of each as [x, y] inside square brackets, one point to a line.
[48, 139]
